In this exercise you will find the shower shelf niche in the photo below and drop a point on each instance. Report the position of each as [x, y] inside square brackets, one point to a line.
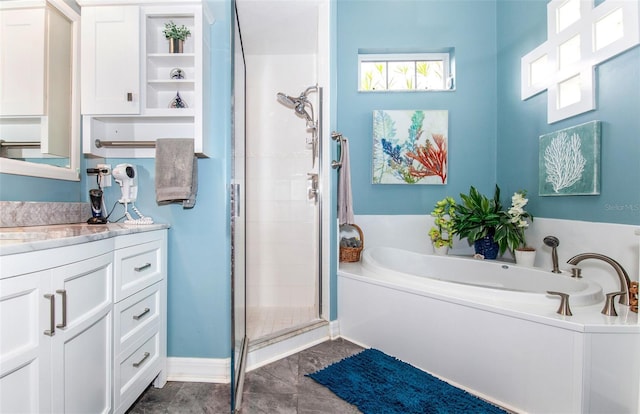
[150, 115]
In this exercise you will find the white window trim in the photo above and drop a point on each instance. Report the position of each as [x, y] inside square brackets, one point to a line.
[404, 57]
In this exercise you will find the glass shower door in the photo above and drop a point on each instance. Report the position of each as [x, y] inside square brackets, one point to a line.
[240, 341]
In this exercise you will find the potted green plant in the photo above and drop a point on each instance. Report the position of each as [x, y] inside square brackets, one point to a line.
[442, 231]
[176, 36]
[476, 219]
[510, 233]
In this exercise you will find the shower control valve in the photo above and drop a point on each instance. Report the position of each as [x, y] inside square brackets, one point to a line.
[312, 191]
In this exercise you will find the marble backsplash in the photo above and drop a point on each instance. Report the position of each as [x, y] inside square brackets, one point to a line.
[31, 213]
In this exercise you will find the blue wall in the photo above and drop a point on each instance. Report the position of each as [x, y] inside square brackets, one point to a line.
[20, 188]
[199, 305]
[521, 28]
[469, 26]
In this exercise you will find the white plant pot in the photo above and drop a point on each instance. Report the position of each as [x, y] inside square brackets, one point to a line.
[441, 251]
[525, 257]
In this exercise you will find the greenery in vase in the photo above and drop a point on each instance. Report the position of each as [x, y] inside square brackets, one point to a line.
[171, 31]
[477, 216]
[443, 213]
[510, 232]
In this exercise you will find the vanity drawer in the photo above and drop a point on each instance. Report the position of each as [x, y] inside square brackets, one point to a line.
[137, 267]
[143, 362]
[134, 314]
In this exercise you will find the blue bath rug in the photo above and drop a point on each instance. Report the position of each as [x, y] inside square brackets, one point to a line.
[377, 383]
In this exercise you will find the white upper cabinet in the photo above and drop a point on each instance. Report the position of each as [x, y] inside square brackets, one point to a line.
[110, 60]
[22, 90]
[134, 89]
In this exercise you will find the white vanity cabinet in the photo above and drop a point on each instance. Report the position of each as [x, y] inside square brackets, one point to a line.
[56, 342]
[130, 81]
[140, 317]
[83, 326]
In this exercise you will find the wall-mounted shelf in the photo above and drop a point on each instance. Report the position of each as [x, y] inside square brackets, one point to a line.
[144, 111]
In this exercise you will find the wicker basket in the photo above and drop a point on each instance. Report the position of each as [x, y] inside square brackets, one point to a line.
[352, 254]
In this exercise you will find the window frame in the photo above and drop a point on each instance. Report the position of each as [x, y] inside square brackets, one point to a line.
[444, 57]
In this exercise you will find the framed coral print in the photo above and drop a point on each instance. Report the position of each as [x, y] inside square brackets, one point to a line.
[410, 147]
[569, 161]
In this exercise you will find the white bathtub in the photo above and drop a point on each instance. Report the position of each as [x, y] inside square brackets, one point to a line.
[483, 278]
[489, 327]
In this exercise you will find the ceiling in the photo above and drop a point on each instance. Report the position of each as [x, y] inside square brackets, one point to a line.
[279, 26]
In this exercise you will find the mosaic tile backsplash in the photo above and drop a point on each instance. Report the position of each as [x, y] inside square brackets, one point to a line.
[30, 213]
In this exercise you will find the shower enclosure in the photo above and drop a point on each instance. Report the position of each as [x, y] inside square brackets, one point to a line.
[285, 171]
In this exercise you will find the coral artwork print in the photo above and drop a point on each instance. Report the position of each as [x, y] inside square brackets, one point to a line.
[569, 161]
[410, 147]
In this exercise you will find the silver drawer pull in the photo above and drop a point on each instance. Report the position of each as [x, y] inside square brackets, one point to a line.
[137, 364]
[144, 312]
[63, 292]
[52, 315]
[143, 267]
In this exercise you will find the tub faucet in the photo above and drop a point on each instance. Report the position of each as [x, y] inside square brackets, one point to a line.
[553, 242]
[625, 282]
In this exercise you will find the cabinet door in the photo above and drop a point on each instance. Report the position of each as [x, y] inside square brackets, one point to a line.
[25, 350]
[110, 60]
[22, 69]
[82, 346]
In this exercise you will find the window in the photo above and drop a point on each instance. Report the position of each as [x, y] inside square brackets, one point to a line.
[580, 37]
[404, 72]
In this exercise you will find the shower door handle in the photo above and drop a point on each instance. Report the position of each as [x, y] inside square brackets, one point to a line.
[236, 197]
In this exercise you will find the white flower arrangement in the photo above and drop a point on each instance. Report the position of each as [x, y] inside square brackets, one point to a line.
[510, 232]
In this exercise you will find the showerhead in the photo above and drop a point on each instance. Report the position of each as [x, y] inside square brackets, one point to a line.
[299, 104]
[287, 100]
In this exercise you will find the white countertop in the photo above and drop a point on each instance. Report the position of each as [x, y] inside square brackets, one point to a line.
[15, 240]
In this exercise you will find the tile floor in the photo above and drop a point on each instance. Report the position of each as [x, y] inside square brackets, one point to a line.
[278, 388]
[265, 321]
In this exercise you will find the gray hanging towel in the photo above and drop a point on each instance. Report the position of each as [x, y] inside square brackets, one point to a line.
[345, 198]
[176, 171]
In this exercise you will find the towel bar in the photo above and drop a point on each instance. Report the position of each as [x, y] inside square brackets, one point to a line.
[125, 144]
[26, 144]
[336, 136]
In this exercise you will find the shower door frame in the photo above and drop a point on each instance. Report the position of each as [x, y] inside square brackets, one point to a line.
[239, 349]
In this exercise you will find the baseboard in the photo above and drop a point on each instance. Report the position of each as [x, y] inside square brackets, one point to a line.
[216, 370]
[334, 329]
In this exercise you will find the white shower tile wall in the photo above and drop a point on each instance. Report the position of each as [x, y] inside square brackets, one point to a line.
[618, 241]
[281, 222]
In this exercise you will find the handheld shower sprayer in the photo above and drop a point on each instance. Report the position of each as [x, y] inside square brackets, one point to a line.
[553, 242]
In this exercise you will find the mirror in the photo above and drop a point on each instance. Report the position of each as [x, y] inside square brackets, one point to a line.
[39, 89]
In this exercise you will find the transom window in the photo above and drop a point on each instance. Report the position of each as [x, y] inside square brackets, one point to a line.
[404, 72]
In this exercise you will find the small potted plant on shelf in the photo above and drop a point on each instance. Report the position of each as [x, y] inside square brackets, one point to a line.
[510, 233]
[476, 219]
[441, 234]
[176, 36]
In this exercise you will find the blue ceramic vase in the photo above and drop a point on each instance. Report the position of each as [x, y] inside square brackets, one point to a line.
[487, 247]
